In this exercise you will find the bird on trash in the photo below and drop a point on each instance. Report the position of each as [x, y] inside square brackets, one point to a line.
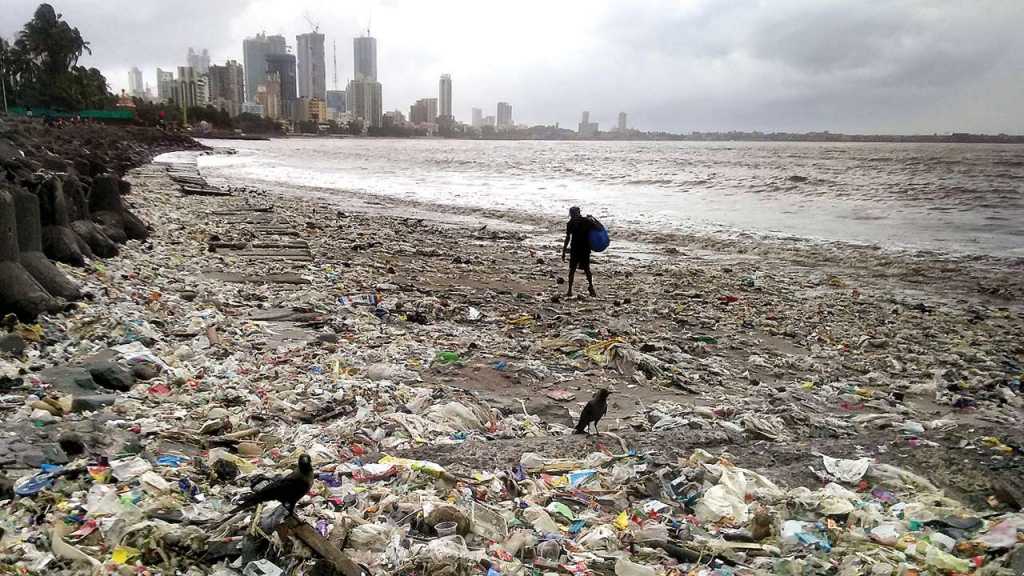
[593, 411]
[287, 490]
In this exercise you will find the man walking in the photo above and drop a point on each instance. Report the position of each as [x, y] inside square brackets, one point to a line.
[577, 240]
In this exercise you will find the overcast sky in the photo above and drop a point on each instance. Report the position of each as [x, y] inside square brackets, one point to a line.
[869, 66]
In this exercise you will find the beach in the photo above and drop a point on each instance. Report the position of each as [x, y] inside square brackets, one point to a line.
[352, 326]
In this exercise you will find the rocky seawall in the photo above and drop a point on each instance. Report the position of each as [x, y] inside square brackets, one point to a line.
[62, 199]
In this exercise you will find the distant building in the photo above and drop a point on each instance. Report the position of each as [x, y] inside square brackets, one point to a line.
[622, 122]
[316, 110]
[488, 121]
[587, 129]
[478, 118]
[252, 108]
[165, 85]
[135, 87]
[199, 61]
[424, 111]
[394, 118]
[226, 87]
[311, 68]
[191, 88]
[363, 100]
[284, 66]
[254, 52]
[365, 56]
[336, 100]
[268, 94]
[444, 98]
[504, 116]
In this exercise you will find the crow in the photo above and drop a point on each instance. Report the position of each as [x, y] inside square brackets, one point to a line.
[593, 411]
[287, 489]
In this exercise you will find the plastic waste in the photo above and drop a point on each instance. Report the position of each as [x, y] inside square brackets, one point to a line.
[625, 567]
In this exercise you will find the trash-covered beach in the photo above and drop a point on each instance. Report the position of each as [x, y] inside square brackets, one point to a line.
[773, 409]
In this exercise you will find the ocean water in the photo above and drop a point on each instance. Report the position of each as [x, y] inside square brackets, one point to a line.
[952, 198]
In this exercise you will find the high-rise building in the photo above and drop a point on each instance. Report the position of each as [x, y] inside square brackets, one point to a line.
[504, 116]
[199, 61]
[254, 51]
[226, 84]
[336, 100]
[365, 55]
[488, 121]
[284, 66]
[587, 129]
[164, 85]
[312, 70]
[363, 100]
[622, 122]
[478, 118]
[444, 97]
[268, 95]
[191, 88]
[424, 111]
[135, 87]
[394, 118]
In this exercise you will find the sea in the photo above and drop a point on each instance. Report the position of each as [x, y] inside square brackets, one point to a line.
[958, 199]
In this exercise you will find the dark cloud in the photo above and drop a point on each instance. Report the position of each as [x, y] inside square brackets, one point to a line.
[841, 65]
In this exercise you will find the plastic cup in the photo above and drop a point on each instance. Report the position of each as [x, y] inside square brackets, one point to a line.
[446, 528]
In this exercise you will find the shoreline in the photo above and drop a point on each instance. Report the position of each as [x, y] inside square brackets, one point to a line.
[758, 355]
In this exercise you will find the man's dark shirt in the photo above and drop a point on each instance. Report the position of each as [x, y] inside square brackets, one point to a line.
[578, 229]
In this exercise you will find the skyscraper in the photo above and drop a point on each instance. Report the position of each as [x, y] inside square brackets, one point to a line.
[444, 97]
[191, 88]
[622, 122]
[587, 129]
[478, 117]
[284, 66]
[164, 85]
[504, 116]
[268, 95]
[226, 84]
[254, 51]
[365, 53]
[199, 61]
[312, 70]
[363, 99]
[135, 87]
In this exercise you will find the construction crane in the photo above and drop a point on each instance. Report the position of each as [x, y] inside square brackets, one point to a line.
[314, 25]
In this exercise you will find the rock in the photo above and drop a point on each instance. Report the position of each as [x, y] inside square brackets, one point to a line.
[225, 470]
[146, 370]
[12, 345]
[39, 454]
[448, 513]
[92, 403]
[71, 443]
[111, 376]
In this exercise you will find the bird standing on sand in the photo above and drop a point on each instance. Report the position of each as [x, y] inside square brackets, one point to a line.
[593, 411]
[287, 490]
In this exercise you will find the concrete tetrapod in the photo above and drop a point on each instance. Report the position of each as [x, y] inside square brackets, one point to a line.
[19, 291]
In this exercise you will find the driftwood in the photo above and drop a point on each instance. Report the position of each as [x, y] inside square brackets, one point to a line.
[81, 220]
[60, 243]
[30, 244]
[19, 291]
[292, 526]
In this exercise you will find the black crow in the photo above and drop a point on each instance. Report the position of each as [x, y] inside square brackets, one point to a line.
[593, 411]
[287, 489]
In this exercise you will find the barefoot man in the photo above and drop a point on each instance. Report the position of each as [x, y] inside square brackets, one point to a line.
[577, 241]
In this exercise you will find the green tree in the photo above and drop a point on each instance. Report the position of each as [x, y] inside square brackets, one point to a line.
[43, 69]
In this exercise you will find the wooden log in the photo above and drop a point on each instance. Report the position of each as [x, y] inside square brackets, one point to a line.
[30, 245]
[310, 537]
[60, 243]
[19, 291]
[81, 220]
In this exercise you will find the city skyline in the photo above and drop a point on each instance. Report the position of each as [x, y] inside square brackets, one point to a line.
[908, 67]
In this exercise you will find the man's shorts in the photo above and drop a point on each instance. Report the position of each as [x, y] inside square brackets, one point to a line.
[579, 260]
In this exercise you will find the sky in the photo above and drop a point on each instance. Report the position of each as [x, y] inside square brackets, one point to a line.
[855, 66]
